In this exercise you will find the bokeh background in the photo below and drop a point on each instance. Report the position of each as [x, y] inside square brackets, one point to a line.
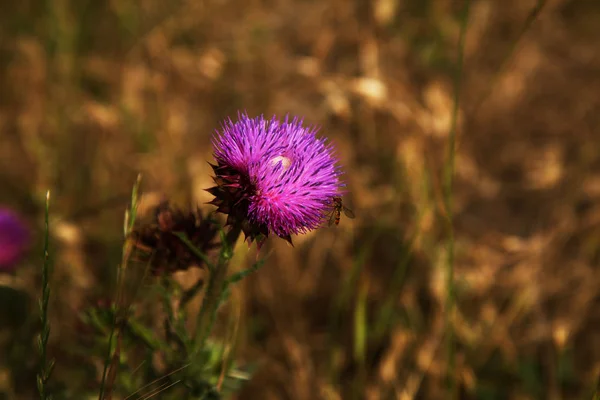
[94, 92]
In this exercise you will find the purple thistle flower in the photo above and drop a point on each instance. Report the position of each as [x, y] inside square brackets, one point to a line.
[14, 239]
[273, 177]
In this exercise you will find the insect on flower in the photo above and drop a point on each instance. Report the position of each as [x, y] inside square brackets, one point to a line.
[336, 212]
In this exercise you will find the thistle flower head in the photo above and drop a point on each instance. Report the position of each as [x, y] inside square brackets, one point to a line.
[273, 176]
[14, 239]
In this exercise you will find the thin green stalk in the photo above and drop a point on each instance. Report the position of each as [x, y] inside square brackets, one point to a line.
[449, 178]
[535, 12]
[344, 297]
[385, 315]
[216, 285]
[361, 333]
[238, 276]
[45, 366]
[195, 250]
[119, 313]
[596, 391]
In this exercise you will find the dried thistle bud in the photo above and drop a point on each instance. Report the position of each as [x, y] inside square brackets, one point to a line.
[158, 244]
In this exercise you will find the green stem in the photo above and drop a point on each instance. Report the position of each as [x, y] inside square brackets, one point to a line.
[449, 178]
[535, 12]
[120, 309]
[45, 366]
[216, 285]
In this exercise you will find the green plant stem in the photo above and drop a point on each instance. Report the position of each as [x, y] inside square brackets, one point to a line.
[343, 299]
[216, 285]
[45, 366]
[448, 203]
[361, 333]
[535, 12]
[120, 309]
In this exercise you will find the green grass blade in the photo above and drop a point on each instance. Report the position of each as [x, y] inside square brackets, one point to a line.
[45, 365]
[129, 221]
[448, 203]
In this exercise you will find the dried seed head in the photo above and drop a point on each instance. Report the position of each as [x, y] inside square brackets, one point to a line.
[158, 245]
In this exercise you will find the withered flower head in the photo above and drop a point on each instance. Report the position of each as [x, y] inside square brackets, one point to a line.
[273, 177]
[14, 239]
[159, 245]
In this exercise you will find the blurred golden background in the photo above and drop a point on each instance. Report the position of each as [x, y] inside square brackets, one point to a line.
[94, 92]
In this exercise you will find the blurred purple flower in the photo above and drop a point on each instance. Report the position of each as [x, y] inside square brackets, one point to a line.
[273, 177]
[14, 239]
